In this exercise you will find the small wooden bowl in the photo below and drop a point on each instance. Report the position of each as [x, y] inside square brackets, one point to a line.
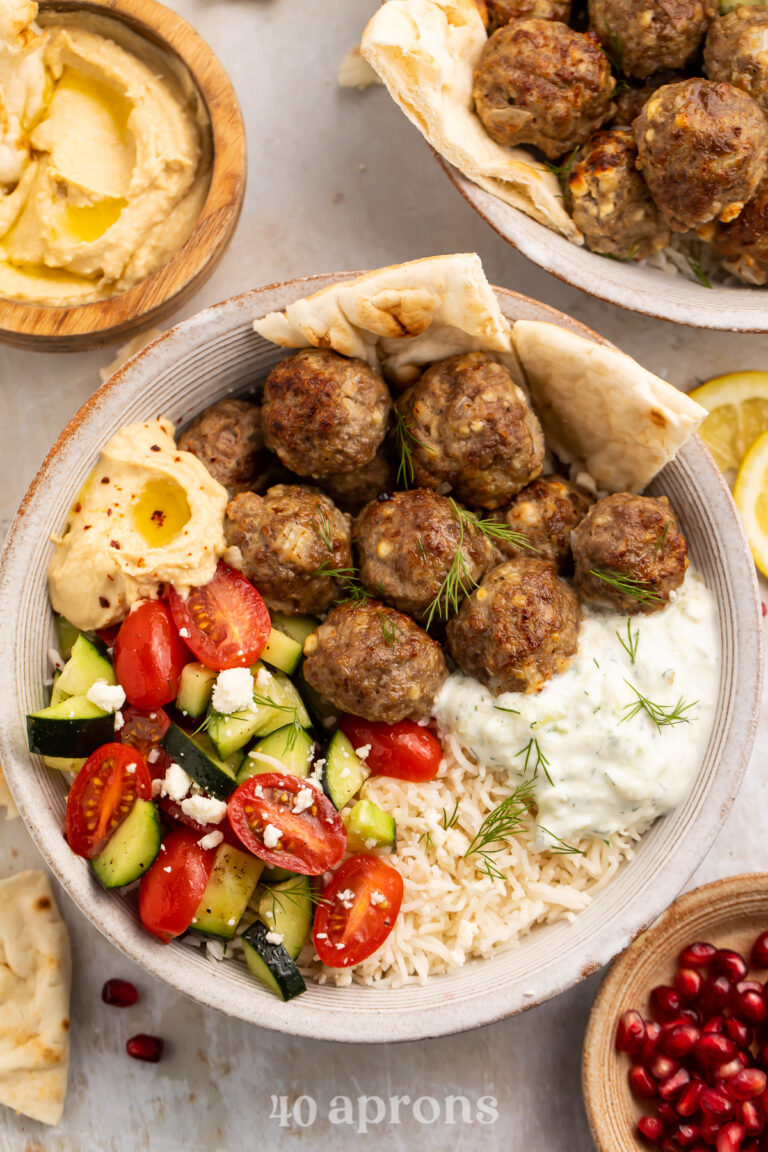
[77, 327]
[729, 913]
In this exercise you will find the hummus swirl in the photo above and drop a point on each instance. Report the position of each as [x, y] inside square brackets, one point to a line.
[104, 157]
[149, 514]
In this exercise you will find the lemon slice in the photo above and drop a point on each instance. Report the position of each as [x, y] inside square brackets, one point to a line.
[738, 414]
[751, 496]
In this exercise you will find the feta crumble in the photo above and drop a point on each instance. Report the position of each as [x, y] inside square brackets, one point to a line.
[305, 798]
[184, 633]
[363, 752]
[212, 840]
[176, 784]
[108, 697]
[272, 836]
[157, 787]
[346, 897]
[275, 937]
[204, 809]
[153, 755]
[119, 721]
[233, 691]
[263, 679]
[377, 897]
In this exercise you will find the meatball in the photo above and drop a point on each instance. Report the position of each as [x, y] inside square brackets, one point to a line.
[228, 439]
[351, 490]
[735, 51]
[374, 662]
[539, 82]
[609, 200]
[408, 544]
[465, 424]
[287, 538]
[324, 413]
[501, 12]
[631, 101]
[743, 244]
[546, 511]
[518, 629]
[634, 542]
[645, 36]
[702, 148]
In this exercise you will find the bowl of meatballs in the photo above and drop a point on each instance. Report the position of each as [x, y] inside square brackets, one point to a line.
[621, 146]
[586, 660]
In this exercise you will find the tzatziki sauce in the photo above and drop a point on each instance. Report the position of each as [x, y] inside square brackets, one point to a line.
[604, 766]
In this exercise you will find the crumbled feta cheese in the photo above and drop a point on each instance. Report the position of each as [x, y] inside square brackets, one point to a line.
[305, 798]
[233, 691]
[204, 809]
[346, 897]
[339, 946]
[344, 773]
[55, 659]
[231, 922]
[212, 840]
[329, 721]
[119, 721]
[321, 935]
[176, 783]
[263, 679]
[108, 697]
[168, 869]
[274, 937]
[316, 775]
[153, 755]
[363, 752]
[157, 787]
[272, 836]
[130, 769]
[184, 633]
[370, 844]
[377, 897]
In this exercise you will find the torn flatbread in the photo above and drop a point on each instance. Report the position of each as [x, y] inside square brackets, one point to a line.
[600, 410]
[6, 800]
[426, 52]
[35, 974]
[356, 72]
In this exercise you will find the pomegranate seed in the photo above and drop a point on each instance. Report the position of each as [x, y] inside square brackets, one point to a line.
[696, 955]
[672, 1087]
[730, 1069]
[715, 1103]
[149, 1048]
[651, 1128]
[715, 1024]
[749, 1115]
[759, 954]
[730, 964]
[713, 1049]
[630, 1033]
[688, 983]
[709, 1129]
[648, 1050]
[665, 1003]
[686, 1135]
[748, 1005]
[747, 1084]
[739, 1032]
[662, 1067]
[729, 1138]
[679, 1039]
[715, 994]
[119, 993]
[688, 1101]
[667, 1144]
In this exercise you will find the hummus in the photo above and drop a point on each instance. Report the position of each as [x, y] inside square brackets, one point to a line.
[149, 514]
[104, 156]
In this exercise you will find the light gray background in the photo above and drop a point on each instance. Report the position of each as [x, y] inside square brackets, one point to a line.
[338, 180]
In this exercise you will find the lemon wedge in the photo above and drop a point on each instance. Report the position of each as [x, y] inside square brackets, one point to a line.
[751, 495]
[738, 414]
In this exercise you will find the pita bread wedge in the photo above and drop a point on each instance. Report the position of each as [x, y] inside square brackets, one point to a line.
[402, 317]
[426, 52]
[6, 800]
[34, 998]
[600, 411]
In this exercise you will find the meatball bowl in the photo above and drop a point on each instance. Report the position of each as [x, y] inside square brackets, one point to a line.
[465, 604]
[620, 146]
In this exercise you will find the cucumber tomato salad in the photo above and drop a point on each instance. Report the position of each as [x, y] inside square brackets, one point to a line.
[206, 772]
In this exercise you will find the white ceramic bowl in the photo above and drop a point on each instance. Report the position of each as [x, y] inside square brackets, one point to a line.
[632, 286]
[184, 371]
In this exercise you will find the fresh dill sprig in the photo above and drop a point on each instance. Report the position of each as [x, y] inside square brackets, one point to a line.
[501, 708]
[631, 253]
[268, 702]
[630, 644]
[388, 630]
[662, 715]
[457, 584]
[351, 584]
[295, 894]
[533, 749]
[661, 543]
[420, 547]
[425, 836]
[507, 819]
[627, 585]
[448, 821]
[324, 529]
[491, 529]
[693, 256]
[614, 49]
[405, 441]
[563, 169]
[560, 847]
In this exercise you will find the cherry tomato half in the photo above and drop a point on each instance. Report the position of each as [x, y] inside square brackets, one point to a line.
[144, 731]
[173, 887]
[311, 840]
[358, 911]
[149, 655]
[103, 794]
[225, 623]
[404, 750]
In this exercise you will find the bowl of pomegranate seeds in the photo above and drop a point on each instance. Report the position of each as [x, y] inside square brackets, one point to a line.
[676, 1050]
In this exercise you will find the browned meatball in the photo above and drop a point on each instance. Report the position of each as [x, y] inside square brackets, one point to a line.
[228, 439]
[702, 148]
[466, 425]
[546, 511]
[644, 36]
[324, 413]
[501, 12]
[351, 490]
[735, 51]
[743, 244]
[518, 629]
[609, 200]
[630, 102]
[408, 543]
[629, 554]
[287, 537]
[539, 82]
[372, 661]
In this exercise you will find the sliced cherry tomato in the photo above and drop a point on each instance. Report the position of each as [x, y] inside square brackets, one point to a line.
[311, 840]
[404, 750]
[103, 794]
[108, 635]
[174, 811]
[144, 731]
[225, 623]
[173, 887]
[358, 911]
[149, 655]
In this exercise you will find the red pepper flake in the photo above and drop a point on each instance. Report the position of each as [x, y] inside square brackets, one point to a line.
[115, 544]
[140, 562]
[109, 511]
[764, 607]
[154, 447]
[105, 479]
[78, 506]
[103, 601]
[158, 516]
[87, 527]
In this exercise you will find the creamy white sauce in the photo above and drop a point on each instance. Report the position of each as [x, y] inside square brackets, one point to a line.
[609, 771]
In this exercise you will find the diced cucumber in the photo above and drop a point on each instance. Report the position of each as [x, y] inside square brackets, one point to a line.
[282, 652]
[292, 746]
[66, 634]
[195, 689]
[283, 691]
[271, 964]
[131, 848]
[230, 886]
[233, 731]
[287, 908]
[273, 874]
[73, 728]
[344, 773]
[297, 627]
[325, 713]
[198, 758]
[85, 666]
[56, 693]
[369, 826]
[63, 763]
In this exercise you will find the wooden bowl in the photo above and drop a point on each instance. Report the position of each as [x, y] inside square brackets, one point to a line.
[729, 913]
[76, 327]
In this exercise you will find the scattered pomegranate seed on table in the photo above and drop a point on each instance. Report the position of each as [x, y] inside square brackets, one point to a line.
[119, 993]
[148, 1048]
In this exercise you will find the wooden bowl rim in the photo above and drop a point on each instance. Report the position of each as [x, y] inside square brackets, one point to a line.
[166, 29]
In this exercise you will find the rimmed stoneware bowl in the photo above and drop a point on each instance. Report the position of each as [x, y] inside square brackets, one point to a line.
[729, 913]
[632, 286]
[189, 368]
[80, 326]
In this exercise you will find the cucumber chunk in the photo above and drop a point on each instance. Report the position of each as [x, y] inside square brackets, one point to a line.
[85, 666]
[273, 874]
[369, 826]
[195, 689]
[297, 627]
[282, 652]
[283, 691]
[56, 693]
[278, 703]
[131, 848]
[271, 964]
[230, 886]
[198, 758]
[344, 773]
[293, 747]
[66, 634]
[64, 763]
[287, 908]
[73, 728]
